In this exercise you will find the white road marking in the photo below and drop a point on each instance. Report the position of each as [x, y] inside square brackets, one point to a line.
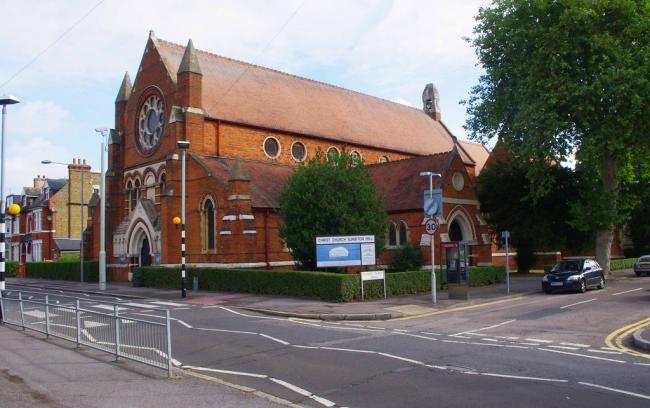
[214, 370]
[529, 344]
[90, 324]
[627, 291]
[485, 328]
[539, 341]
[108, 307]
[376, 327]
[431, 334]
[225, 331]
[578, 303]
[401, 330]
[189, 326]
[322, 401]
[417, 336]
[459, 336]
[143, 305]
[513, 346]
[38, 314]
[274, 339]
[604, 351]
[346, 349]
[519, 377]
[575, 344]
[474, 343]
[564, 347]
[642, 364]
[354, 325]
[159, 302]
[488, 339]
[90, 336]
[252, 316]
[583, 355]
[292, 387]
[633, 394]
[401, 358]
[182, 308]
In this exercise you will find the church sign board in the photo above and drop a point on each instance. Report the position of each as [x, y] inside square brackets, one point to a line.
[354, 250]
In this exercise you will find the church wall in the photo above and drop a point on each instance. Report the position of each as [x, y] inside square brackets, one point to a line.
[234, 140]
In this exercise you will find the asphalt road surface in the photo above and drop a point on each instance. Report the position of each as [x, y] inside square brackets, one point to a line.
[535, 350]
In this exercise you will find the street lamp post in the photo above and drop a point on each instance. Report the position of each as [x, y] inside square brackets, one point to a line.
[81, 215]
[4, 101]
[433, 239]
[183, 145]
[102, 237]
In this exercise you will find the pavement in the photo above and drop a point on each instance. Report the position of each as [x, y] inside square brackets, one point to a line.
[39, 372]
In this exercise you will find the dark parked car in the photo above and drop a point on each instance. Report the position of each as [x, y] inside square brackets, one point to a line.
[642, 265]
[574, 275]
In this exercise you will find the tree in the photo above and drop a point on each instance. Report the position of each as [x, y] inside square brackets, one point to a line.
[535, 223]
[564, 76]
[325, 198]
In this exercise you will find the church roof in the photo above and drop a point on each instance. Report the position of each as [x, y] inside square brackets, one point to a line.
[401, 183]
[239, 92]
[477, 151]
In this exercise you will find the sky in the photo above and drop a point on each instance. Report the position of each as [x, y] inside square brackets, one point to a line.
[65, 60]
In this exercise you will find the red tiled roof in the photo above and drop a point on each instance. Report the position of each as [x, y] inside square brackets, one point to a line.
[239, 92]
[477, 151]
[401, 183]
[267, 179]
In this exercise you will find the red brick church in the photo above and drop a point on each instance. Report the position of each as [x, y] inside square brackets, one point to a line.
[248, 127]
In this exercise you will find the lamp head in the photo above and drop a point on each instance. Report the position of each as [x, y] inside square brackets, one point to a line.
[8, 100]
[101, 130]
[183, 144]
[46, 161]
[426, 173]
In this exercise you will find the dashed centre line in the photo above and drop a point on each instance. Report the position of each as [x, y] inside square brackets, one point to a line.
[578, 303]
[626, 291]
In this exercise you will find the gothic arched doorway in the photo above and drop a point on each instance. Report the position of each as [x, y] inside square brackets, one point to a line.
[455, 232]
[145, 253]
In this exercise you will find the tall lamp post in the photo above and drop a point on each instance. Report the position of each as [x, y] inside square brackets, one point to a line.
[433, 239]
[4, 101]
[81, 215]
[102, 238]
[183, 145]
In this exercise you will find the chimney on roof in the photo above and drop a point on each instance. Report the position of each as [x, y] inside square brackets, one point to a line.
[39, 181]
[431, 101]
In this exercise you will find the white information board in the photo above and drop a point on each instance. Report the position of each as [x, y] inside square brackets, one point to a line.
[373, 275]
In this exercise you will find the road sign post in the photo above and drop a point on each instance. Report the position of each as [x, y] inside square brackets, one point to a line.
[431, 225]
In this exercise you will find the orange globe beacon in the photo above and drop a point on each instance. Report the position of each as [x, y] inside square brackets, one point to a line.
[14, 209]
[176, 220]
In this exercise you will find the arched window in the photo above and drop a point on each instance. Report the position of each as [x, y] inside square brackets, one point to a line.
[208, 224]
[383, 159]
[131, 192]
[136, 187]
[150, 186]
[392, 234]
[403, 233]
[163, 183]
[355, 157]
[332, 154]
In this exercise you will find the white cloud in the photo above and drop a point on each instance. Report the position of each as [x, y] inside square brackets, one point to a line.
[23, 162]
[41, 118]
[402, 101]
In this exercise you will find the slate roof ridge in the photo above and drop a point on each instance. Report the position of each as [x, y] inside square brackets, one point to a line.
[210, 54]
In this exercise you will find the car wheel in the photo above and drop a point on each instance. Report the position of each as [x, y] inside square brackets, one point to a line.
[583, 286]
[601, 284]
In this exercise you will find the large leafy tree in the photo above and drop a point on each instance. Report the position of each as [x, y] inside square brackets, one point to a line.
[329, 197]
[564, 76]
[536, 223]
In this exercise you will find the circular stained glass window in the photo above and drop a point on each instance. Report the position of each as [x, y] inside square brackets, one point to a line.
[332, 154]
[298, 151]
[151, 124]
[272, 147]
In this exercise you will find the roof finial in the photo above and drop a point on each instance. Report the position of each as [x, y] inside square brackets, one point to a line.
[190, 62]
[125, 89]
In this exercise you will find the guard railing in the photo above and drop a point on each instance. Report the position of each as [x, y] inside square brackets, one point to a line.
[133, 335]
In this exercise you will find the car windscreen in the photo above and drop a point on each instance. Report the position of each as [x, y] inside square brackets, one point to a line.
[644, 259]
[568, 266]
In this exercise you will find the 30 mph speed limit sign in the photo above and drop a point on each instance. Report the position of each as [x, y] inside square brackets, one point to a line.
[431, 225]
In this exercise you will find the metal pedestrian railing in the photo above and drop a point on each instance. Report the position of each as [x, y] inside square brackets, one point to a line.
[115, 331]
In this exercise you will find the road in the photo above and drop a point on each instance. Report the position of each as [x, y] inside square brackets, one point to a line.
[536, 350]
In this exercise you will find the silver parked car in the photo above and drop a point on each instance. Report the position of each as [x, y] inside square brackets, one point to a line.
[642, 265]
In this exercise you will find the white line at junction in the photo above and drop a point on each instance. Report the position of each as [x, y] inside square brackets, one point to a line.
[485, 328]
[578, 303]
[627, 291]
[583, 355]
[633, 394]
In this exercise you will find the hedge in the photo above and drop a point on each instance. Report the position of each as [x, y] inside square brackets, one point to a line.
[327, 286]
[617, 264]
[11, 269]
[62, 270]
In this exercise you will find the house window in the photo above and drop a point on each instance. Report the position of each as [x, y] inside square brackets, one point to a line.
[37, 254]
[403, 233]
[392, 234]
[208, 224]
[272, 147]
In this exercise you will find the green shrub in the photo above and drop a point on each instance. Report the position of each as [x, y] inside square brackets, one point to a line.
[618, 264]
[11, 269]
[407, 257]
[486, 275]
[62, 270]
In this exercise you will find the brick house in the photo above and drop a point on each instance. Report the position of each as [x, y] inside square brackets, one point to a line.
[50, 220]
[248, 127]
